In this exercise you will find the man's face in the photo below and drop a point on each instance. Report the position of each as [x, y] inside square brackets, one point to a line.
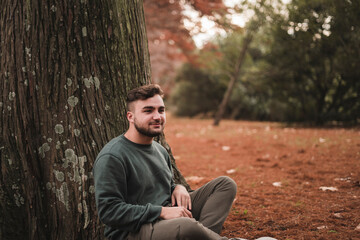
[149, 116]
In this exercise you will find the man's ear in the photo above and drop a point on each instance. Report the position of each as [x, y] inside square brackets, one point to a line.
[130, 116]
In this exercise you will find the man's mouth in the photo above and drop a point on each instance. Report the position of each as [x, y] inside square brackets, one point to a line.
[156, 124]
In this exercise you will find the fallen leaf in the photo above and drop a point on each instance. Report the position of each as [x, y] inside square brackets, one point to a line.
[230, 171]
[357, 228]
[347, 179]
[332, 189]
[225, 148]
[179, 135]
[194, 179]
[277, 184]
[321, 227]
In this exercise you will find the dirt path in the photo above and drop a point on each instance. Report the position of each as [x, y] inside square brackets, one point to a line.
[279, 172]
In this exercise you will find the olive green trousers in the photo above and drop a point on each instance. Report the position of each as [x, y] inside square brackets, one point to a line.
[211, 204]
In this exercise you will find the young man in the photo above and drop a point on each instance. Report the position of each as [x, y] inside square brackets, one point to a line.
[135, 193]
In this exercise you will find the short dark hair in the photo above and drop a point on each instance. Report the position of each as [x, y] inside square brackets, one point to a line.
[143, 93]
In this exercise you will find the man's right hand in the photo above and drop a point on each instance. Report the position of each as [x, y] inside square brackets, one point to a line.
[174, 212]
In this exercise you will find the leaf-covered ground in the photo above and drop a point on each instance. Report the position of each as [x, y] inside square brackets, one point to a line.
[293, 183]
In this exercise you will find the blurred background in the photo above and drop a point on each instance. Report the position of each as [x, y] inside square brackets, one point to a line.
[287, 61]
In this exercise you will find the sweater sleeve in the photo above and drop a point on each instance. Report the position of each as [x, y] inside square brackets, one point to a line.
[173, 185]
[111, 197]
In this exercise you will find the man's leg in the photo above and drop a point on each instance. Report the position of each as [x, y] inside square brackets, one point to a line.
[212, 202]
[179, 229]
[175, 229]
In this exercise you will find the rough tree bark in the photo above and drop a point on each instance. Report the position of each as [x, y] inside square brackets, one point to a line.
[65, 67]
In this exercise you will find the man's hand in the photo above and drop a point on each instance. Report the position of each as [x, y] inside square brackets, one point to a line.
[181, 197]
[174, 212]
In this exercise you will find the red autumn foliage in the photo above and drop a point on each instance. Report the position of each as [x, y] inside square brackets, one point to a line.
[170, 43]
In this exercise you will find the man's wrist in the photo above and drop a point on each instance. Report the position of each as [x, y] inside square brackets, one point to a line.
[173, 187]
[162, 213]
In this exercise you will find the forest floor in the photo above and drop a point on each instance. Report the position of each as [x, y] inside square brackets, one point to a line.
[293, 182]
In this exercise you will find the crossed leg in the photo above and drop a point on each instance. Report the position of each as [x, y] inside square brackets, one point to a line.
[211, 204]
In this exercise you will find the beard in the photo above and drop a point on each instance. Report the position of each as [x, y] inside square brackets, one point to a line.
[147, 131]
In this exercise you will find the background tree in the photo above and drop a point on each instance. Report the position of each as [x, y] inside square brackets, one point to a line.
[170, 42]
[313, 61]
[233, 75]
[263, 12]
[302, 64]
[65, 68]
[200, 88]
[227, 60]
[196, 92]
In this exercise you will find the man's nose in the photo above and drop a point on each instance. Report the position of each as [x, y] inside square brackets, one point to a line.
[156, 115]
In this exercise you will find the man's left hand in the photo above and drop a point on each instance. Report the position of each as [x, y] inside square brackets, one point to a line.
[181, 197]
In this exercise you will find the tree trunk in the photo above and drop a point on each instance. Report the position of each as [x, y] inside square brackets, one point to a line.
[65, 68]
[178, 177]
[233, 78]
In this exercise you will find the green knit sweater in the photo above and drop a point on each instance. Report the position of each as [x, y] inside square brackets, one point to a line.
[132, 183]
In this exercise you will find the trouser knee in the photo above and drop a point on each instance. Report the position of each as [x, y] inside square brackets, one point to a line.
[190, 229]
[228, 184]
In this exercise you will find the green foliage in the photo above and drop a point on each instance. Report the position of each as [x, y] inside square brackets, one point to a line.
[199, 90]
[196, 92]
[313, 61]
[302, 66]
[245, 212]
